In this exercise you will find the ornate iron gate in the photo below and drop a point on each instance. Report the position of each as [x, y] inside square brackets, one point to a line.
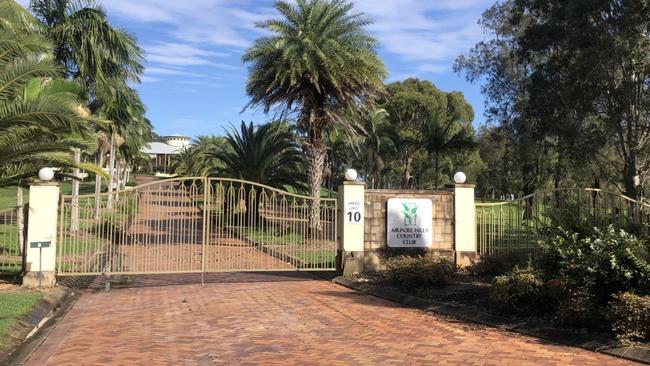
[194, 224]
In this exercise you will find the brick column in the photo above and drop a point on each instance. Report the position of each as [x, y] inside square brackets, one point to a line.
[464, 224]
[41, 231]
[351, 227]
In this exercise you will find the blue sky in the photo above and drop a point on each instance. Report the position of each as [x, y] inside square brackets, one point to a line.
[194, 81]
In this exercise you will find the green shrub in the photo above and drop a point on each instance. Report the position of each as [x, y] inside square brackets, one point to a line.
[576, 307]
[630, 316]
[603, 263]
[419, 272]
[498, 264]
[520, 291]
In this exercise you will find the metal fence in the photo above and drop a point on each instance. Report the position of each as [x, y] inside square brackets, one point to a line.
[12, 240]
[519, 225]
[195, 224]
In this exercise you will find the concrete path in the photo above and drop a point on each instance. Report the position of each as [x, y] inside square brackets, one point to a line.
[276, 319]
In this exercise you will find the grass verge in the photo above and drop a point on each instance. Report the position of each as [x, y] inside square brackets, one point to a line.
[14, 305]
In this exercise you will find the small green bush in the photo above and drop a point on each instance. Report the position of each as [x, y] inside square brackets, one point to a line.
[419, 272]
[630, 316]
[498, 264]
[520, 291]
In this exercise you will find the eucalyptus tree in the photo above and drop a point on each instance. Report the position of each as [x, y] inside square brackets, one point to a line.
[317, 62]
[427, 120]
[497, 62]
[592, 74]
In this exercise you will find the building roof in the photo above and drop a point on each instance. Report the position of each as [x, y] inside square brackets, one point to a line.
[176, 135]
[155, 148]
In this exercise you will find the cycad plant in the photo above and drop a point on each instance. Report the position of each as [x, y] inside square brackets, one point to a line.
[318, 62]
[268, 154]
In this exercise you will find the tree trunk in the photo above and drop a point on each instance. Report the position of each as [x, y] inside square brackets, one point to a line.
[74, 211]
[111, 173]
[127, 176]
[20, 219]
[316, 160]
[98, 184]
[630, 177]
[407, 160]
[118, 181]
[436, 167]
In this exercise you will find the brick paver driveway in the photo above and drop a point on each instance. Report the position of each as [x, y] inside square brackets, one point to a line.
[277, 319]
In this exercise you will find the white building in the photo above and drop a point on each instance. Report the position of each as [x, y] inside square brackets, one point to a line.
[162, 152]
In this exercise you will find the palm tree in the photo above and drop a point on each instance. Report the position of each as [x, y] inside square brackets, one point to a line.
[91, 50]
[319, 62]
[40, 114]
[267, 154]
[377, 140]
[103, 59]
[449, 131]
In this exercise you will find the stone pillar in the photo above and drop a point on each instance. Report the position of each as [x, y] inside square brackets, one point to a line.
[464, 224]
[351, 227]
[41, 228]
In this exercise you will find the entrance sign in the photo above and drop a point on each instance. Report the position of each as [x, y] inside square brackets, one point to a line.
[409, 223]
[354, 212]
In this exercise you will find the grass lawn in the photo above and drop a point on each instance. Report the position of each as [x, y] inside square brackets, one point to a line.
[13, 305]
[8, 194]
[8, 197]
[269, 237]
[317, 259]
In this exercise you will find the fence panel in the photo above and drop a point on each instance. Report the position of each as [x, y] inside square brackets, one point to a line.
[520, 225]
[12, 240]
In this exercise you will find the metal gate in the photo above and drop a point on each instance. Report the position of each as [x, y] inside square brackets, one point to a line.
[194, 224]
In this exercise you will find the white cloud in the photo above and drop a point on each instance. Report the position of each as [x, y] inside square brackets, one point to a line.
[149, 79]
[427, 34]
[215, 22]
[180, 54]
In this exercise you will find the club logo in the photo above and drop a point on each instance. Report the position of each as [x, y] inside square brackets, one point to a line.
[410, 213]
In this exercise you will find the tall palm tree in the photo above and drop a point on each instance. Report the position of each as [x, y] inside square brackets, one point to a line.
[378, 139]
[103, 59]
[267, 154]
[449, 131]
[86, 44]
[318, 62]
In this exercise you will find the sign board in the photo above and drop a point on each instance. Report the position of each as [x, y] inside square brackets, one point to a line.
[354, 212]
[40, 244]
[409, 223]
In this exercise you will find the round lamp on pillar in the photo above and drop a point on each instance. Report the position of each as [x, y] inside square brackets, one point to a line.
[351, 174]
[460, 178]
[46, 174]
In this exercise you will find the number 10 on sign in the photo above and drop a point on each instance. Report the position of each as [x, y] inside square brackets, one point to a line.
[354, 213]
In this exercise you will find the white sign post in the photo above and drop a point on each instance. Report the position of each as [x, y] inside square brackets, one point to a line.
[409, 223]
[354, 212]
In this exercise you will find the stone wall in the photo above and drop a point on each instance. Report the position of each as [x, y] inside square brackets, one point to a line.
[375, 217]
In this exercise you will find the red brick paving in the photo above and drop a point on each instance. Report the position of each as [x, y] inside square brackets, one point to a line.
[277, 319]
